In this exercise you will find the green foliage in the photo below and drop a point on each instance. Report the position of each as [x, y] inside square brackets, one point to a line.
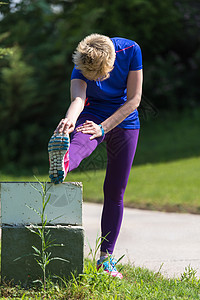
[4, 52]
[152, 23]
[35, 80]
[19, 109]
[34, 89]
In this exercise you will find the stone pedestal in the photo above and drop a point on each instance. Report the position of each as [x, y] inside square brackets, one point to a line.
[17, 240]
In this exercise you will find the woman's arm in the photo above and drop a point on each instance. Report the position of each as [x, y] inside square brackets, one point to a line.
[78, 96]
[134, 93]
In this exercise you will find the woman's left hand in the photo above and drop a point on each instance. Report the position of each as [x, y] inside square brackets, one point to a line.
[89, 127]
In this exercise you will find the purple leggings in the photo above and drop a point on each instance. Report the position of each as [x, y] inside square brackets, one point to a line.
[121, 146]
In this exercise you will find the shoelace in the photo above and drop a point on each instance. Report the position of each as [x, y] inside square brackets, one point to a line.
[110, 264]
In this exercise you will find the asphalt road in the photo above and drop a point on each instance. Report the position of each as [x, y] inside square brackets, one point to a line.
[168, 242]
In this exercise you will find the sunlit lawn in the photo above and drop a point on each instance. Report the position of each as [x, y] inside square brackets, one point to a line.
[138, 283]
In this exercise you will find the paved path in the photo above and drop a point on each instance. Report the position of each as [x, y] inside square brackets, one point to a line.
[151, 239]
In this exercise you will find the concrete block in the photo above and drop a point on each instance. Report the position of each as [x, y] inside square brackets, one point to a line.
[65, 201]
[18, 241]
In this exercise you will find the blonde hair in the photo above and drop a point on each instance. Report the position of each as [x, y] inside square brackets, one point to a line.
[95, 57]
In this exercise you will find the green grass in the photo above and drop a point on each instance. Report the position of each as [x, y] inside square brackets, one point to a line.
[169, 186]
[170, 136]
[137, 283]
[172, 186]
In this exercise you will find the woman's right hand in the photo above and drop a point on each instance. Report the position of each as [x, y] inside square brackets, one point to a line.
[65, 126]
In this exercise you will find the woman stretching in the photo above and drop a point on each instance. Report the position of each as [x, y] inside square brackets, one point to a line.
[106, 88]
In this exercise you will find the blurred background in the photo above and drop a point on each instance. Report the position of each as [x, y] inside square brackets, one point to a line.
[37, 39]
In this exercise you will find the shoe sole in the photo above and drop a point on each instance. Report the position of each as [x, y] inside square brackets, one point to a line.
[57, 147]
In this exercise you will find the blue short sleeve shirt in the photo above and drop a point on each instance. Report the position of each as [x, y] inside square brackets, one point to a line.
[105, 97]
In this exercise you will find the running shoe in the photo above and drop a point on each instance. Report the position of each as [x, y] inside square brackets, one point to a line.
[58, 148]
[108, 266]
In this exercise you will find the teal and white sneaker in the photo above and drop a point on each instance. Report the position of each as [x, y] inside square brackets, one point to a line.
[58, 146]
[108, 266]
